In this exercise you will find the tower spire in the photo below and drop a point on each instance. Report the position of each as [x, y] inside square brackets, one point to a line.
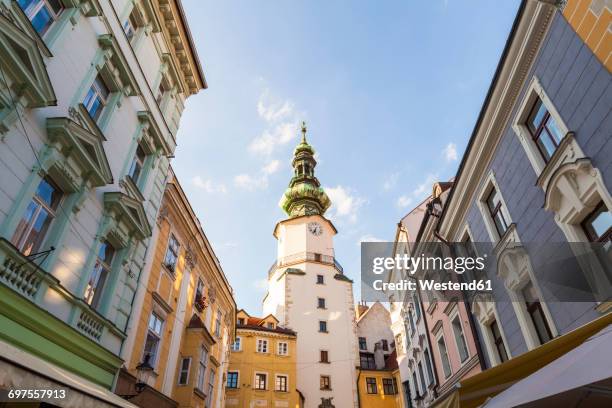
[304, 196]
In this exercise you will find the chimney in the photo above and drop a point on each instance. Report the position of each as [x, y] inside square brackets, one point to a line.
[361, 309]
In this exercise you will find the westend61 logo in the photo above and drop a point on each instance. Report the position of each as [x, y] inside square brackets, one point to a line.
[396, 268]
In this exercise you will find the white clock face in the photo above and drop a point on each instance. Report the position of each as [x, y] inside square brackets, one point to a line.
[315, 228]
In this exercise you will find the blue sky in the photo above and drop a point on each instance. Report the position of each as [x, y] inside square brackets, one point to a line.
[390, 91]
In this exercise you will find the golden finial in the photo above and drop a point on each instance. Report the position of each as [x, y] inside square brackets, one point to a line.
[304, 132]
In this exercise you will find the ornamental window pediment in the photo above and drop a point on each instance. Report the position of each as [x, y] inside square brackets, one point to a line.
[513, 267]
[23, 68]
[81, 152]
[114, 69]
[126, 216]
[152, 134]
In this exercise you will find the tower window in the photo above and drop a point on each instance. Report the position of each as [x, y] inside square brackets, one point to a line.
[320, 279]
[321, 303]
[322, 326]
[324, 358]
[325, 382]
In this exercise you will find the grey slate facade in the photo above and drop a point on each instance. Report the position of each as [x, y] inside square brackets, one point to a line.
[580, 87]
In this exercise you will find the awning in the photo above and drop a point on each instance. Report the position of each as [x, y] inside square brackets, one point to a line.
[575, 375]
[476, 390]
[19, 369]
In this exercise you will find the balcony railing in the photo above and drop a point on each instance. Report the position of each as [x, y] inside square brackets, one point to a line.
[31, 281]
[303, 257]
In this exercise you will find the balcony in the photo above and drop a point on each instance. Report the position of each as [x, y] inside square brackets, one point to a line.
[36, 285]
[305, 257]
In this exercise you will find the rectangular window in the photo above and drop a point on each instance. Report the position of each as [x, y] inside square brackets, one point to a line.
[544, 130]
[363, 345]
[598, 225]
[320, 280]
[96, 98]
[236, 346]
[211, 388]
[399, 343]
[428, 367]
[421, 376]
[261, 380]
[161, 91]
[444, 357]
[283, 348]
[324, 356]
[42, 13]
[154, 334]
[385, 345]
[389, 386]
[137, 164]
[371, 386]
[184, 371]
[460, 338]
[498, 341]
[202, 368]
[281, 383]
[99, 275]
[171, 254]
[367, 361]
[534, 308]
[232, 379]
[262, 345]
[321, 303]
[494, 204]
[270, 325]
[415, 383]
[199, 300]
[322, 326]
[325, 382]
[39, 214]
[412, 323]
[240, 321]
[130, 25]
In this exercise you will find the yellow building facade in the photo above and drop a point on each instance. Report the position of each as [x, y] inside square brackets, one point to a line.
[262, 366]
[186, 322]
[592, 19]
[379, 388]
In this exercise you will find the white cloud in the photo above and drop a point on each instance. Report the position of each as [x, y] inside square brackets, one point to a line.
[250, 183]
[208, 185]
[390, 182]
[272, 109]
[345, 203]
[404, 201]
[271, 167]
[270, 139]
[369, 238]
[450, 152]
[425, 187]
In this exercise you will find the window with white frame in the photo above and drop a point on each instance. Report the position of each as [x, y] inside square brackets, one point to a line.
[459, 338]
[262, 345]
[211, 388]
[261, 381]
[219, 315]
[130, 25]
[498, 341]
[536, 313]
[283, 348]
[202, 362]
[184, 371]
[422, 376]
[444, 357]
[172, 252]
[539, 126]
[484, 311]
[282, 381]
[42, 13]
[96, 98]
[427, 358]
[99, 275]
[237, 345]
[154, 335]
[494, 210]
[34, 225]
[415, 386]
[137, 164]
[232, 379]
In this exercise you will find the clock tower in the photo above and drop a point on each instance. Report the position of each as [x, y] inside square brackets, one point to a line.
[309, 293]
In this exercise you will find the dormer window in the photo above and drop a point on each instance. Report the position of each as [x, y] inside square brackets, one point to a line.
[96, 98]
[240, 321]
[42, 13]
[270, 325]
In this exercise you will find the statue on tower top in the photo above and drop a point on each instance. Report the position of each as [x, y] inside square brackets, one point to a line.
[304, 196]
